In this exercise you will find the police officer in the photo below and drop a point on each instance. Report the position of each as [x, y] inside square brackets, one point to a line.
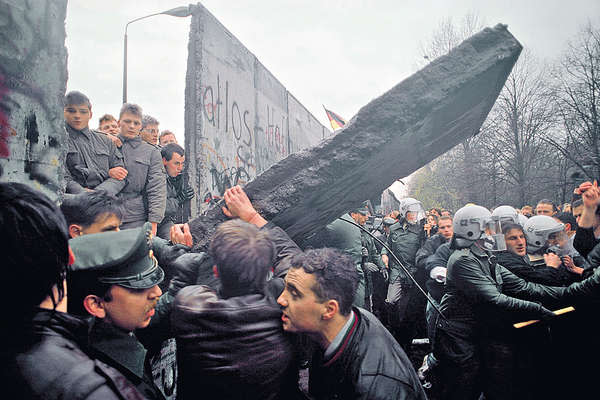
[405, 239]
[115, 281]
[45, 352]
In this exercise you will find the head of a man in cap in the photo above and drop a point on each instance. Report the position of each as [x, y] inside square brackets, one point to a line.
[115, 277]
[387, 222]
[92, 212]
[360, 215]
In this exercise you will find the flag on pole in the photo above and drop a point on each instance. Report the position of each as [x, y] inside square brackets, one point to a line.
[335, 120]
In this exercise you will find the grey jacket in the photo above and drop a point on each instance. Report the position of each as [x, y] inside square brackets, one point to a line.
[146, 192]
[89, 157]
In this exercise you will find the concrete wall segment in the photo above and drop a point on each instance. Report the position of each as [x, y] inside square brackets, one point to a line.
[237, 112]
[33, 76]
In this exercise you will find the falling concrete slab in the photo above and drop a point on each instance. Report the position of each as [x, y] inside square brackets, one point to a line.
[394, 135]
[33, 79]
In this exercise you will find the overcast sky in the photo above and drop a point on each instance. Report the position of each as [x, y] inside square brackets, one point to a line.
[340, 54]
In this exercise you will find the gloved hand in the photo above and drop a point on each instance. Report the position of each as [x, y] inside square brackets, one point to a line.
[438, 274]
[547, 315]
[185, 269]
[364, 252]
[384, 273]
[370, 267]
[165, 252]
[187, 193]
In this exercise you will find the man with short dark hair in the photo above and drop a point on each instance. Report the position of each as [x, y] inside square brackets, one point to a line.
[577, 209]
[145, 195]
[357, 357]
[93, 161]
[45, 353]
[179, 192]
[92, 212]
[545, 207]
[249, 356]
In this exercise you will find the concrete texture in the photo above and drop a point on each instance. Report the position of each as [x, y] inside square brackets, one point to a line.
[33, 78]
[240, 119]
[414, 122]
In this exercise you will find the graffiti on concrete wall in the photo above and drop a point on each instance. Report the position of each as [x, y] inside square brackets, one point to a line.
[237, 114]
[33, 76]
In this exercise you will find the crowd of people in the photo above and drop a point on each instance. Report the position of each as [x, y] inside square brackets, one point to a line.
[129, 159]
[107, 281]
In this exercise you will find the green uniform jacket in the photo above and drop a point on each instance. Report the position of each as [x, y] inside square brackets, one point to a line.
[349, 239]
[404, 240]
[123, 351]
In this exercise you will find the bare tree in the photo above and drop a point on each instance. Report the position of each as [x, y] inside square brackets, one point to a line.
[577, 96]
[521, 117]
[448, 35]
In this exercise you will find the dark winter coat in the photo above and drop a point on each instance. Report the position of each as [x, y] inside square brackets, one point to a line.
[437, 259]
[482, 299]
[428, 249]
[174, 210]
[584, 240]
[52, 364]
[122, 350]
[232, 348]
[369, 364]
[235, 347]
[523, 268]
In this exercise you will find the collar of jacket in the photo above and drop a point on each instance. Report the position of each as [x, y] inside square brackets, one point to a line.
[85, 131]
[478, 251]
[345, 341]
[43, 321]
[119, 345]
[135, 141]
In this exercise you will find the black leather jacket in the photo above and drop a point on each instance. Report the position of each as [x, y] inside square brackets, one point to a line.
[483, 295]
[50, 363]
[523, 268]
[371, 365]
[232, 348]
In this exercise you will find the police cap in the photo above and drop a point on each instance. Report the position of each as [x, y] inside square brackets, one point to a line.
[121, 258]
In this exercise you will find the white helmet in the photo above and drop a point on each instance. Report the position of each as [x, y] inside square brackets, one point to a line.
[411, 205]
[472, 223]
[469, 224]
[522, 219]
[506, 214]
[537, 231]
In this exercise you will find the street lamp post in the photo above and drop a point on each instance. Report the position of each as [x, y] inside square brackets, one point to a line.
[183, 11]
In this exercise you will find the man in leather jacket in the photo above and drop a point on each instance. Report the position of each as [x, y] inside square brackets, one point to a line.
[356, 358]
[179, 192]
[45, 353]
[481, 301]
[248, 356]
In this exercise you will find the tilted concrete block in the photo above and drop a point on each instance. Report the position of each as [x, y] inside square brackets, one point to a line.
[414, 122]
